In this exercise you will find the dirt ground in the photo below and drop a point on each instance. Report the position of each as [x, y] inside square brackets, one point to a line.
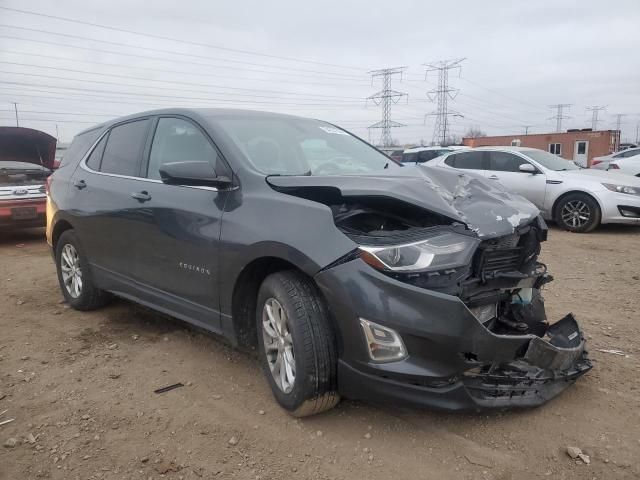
[80, 388]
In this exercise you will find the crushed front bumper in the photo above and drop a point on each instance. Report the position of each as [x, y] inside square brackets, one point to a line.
[454, 362]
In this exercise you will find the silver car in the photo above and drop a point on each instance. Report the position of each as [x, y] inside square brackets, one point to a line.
[577, 199]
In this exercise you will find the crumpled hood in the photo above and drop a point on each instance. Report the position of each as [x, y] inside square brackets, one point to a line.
[486, 208]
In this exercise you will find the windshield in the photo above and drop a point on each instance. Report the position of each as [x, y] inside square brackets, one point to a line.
[298, 146]
[551, 161]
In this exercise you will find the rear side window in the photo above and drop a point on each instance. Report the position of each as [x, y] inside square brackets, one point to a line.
[467, 161]
[93, 161]
[79, 146]
[505, 162]
[177, 140]
[124, 147]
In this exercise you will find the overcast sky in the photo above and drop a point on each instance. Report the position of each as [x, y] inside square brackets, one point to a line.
[313, 58]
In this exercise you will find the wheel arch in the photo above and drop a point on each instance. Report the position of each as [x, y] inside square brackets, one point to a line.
[245, 295]
[59, 228]
[571, 192]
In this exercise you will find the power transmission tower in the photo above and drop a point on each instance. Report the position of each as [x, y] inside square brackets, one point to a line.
[441, 95]
[558, 117]
[386, 97]
[619, 120]
[15, 107]
[594, 109]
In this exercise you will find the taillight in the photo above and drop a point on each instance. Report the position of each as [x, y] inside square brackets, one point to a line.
[613, 166]
[596, 162]
[47, 184]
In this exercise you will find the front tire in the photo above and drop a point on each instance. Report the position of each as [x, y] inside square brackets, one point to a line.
[578, 212]
[74, 274]
[296, 344]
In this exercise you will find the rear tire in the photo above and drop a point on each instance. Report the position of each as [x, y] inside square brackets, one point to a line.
[578, 212]
[74, 274]
[293, 325]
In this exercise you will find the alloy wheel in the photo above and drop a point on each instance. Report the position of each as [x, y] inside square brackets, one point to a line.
[278, 345]
[576, 213]
[71, 272]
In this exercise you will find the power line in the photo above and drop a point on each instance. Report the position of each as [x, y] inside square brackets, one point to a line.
[558, 117]
[335, 75]
[223, 100]
[179, 61]
[442, 93]
[386, 97]
[595, 109]
[180, 82]
[186, 42]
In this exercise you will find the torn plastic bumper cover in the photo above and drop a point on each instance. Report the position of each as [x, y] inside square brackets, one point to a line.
[547, 367]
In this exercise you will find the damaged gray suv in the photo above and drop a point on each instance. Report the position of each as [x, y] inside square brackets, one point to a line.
[350, 274]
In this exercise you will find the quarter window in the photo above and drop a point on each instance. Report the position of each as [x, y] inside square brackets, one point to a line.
[95, 157]
[555, 148]
[505, 162]
[124, 147]
[177, 140]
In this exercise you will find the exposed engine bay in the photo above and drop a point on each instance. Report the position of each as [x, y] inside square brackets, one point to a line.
[501, 286]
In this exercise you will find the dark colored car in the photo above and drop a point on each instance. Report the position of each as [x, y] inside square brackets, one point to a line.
[350, 274]
[26, 160]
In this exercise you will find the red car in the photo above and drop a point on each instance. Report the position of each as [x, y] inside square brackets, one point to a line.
[26, 160]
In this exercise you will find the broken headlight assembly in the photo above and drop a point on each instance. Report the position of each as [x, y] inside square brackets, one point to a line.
[441, 251]
[622, 189]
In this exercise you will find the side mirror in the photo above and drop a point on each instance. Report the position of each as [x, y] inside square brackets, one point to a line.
[528, 168]
[196, 173]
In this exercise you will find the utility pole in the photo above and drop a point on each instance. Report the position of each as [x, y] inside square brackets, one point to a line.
[526, 129]
[441, 95]
[637, 133]
[15, 107]
[594, 109]
[386, 97]
[558, 117]
[619, 120]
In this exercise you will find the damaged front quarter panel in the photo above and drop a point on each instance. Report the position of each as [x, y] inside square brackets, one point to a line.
[507, 354]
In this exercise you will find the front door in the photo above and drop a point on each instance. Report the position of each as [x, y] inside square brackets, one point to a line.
[178, 239]
[581, 152]
[504, 167]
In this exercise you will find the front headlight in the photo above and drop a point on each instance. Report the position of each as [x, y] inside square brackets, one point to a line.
[622, 189]
[439, 252]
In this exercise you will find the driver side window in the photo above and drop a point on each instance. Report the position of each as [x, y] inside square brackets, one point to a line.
[177, 140]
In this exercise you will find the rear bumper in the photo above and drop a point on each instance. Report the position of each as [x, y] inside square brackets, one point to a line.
[454, 362]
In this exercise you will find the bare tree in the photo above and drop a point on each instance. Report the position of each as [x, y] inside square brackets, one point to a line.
[474, 133]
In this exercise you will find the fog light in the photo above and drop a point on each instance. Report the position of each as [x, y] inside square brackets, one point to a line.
[384, 344]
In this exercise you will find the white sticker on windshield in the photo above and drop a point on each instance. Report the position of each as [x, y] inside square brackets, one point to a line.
[335, 131]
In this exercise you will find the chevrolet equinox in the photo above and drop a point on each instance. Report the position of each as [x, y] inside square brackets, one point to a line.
[350, 274]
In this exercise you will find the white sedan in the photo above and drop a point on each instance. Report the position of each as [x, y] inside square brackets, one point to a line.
[604, 162]
[577, 199]
[628, 165]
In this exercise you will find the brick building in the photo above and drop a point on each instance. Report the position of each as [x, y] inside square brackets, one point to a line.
[578, 145]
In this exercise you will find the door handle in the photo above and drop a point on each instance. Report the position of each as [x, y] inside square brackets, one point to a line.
[142, 196]
[494, 177]
[80, 184]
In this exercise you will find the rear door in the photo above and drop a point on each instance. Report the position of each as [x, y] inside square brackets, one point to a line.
[102, 186]
[504, 167]
[178, 239]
